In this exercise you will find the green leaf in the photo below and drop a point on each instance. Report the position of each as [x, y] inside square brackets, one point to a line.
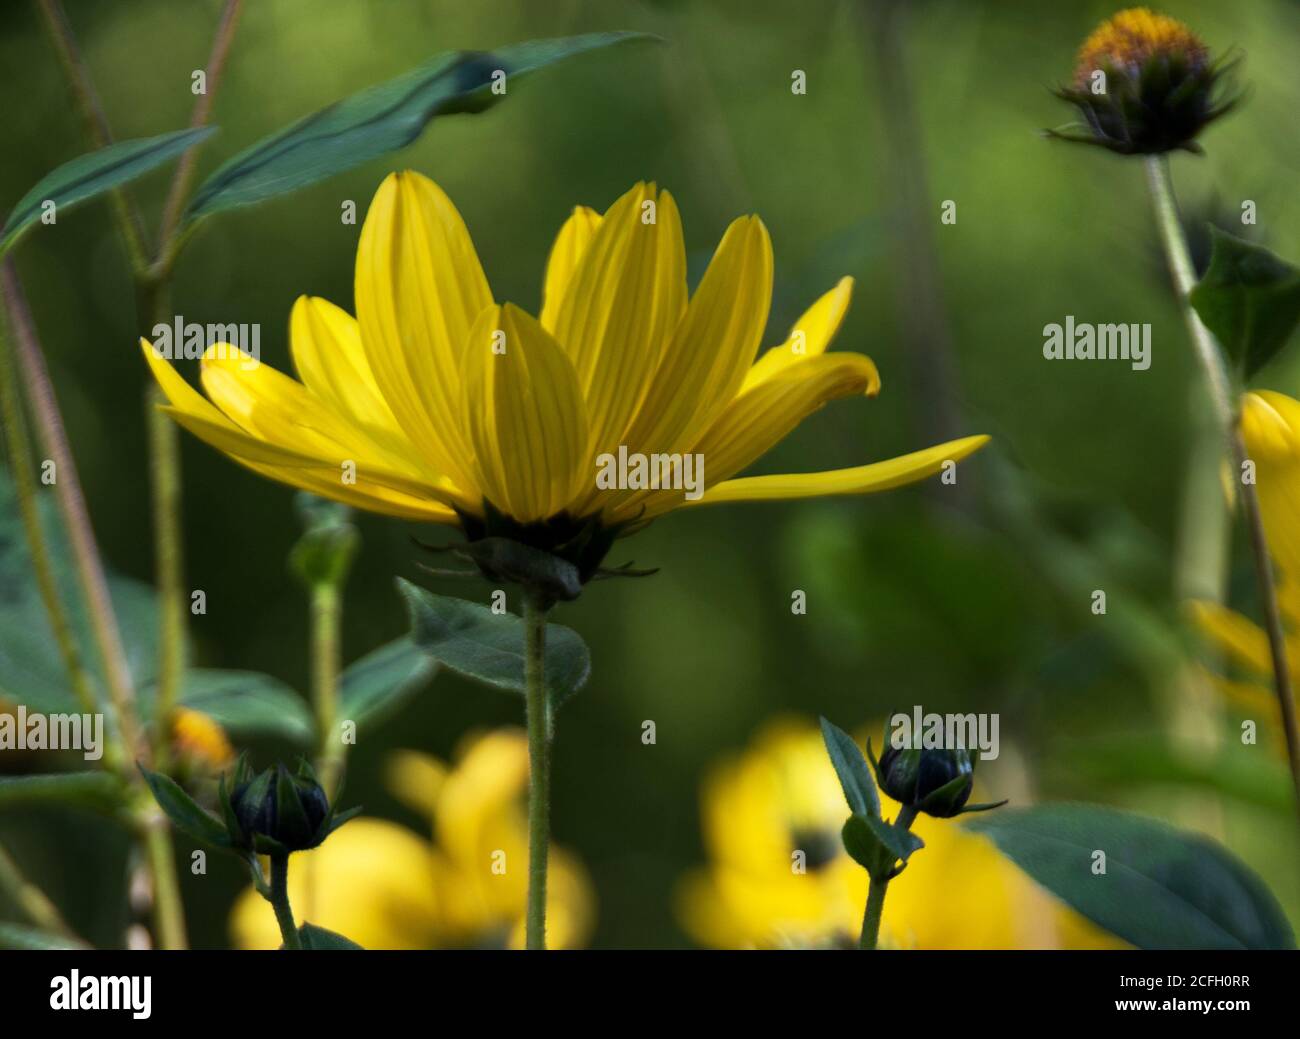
[98, 791]
[1162, 889]
[246, 704]
[852, 768]
[876, 845]
[376, 686]
[184, 811]
[489, 647]
[32, 671]
[1249, 298]
[314, 937]
[379, 120]
[89, 175]
[18, 936]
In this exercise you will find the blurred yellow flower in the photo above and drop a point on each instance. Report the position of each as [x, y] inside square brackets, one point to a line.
[387, 888]
[437, 404]
[199, 738]
[1270, 425]
[778, 875]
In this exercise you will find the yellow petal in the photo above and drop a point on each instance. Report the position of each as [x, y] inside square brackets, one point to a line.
[1243, 641]
[419, 287]
[758, 420]
[705, 362]
[321, 476]
[1270, 425]
[524, 416]
[863, 479]
[325, 342]
[624, 301]
[808, 338]
[570, 244]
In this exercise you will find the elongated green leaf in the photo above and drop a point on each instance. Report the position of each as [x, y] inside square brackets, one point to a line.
[99, 791]
[314, 937]
[853, 770]
[1161, 888]
[18, 936]
[475, 642]
[185, 812]
[32, 671]
[374, 687]
[1249, 298]
[89, 175]
[380, 120]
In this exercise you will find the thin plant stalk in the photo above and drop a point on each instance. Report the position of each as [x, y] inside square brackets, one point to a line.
[326, 658]
[1225, 407]
[280, 901]
[18, 451]
[72, 506]
[34, 904]
[89, 567]
[539, 770]
[874, 912]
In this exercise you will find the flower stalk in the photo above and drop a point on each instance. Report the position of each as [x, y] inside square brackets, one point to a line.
[872, 915]
[18, 451]
[539, 768]
[279, 899]
[1223, 400]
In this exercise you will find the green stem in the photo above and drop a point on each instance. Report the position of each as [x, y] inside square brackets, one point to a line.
[19, 456]
[1224, 401]
[72, 505]
[153, 302]
[169, 910]
[33, 903]
[325, 662]
[539, 769]
[95, 122]
[280, 901]
[871, 916]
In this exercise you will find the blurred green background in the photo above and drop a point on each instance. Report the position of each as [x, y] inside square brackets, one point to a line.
[977, 600]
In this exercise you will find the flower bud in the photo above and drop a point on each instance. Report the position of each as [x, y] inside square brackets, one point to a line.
[937, 782]
[277, 811]
[1144, 84]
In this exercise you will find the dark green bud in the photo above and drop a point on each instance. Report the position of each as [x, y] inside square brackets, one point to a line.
[277, 811]
[937, 782]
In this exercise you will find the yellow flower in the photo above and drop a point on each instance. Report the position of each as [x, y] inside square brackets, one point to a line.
[387, 888]
[1270, 425]
[781, 797]
[437, 404]
[198, 737]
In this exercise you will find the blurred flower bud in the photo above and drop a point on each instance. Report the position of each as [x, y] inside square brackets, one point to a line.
[1144, 84]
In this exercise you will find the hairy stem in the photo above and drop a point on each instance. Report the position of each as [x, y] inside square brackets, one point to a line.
[539, 769]
[1225, 407]
[168, 909]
